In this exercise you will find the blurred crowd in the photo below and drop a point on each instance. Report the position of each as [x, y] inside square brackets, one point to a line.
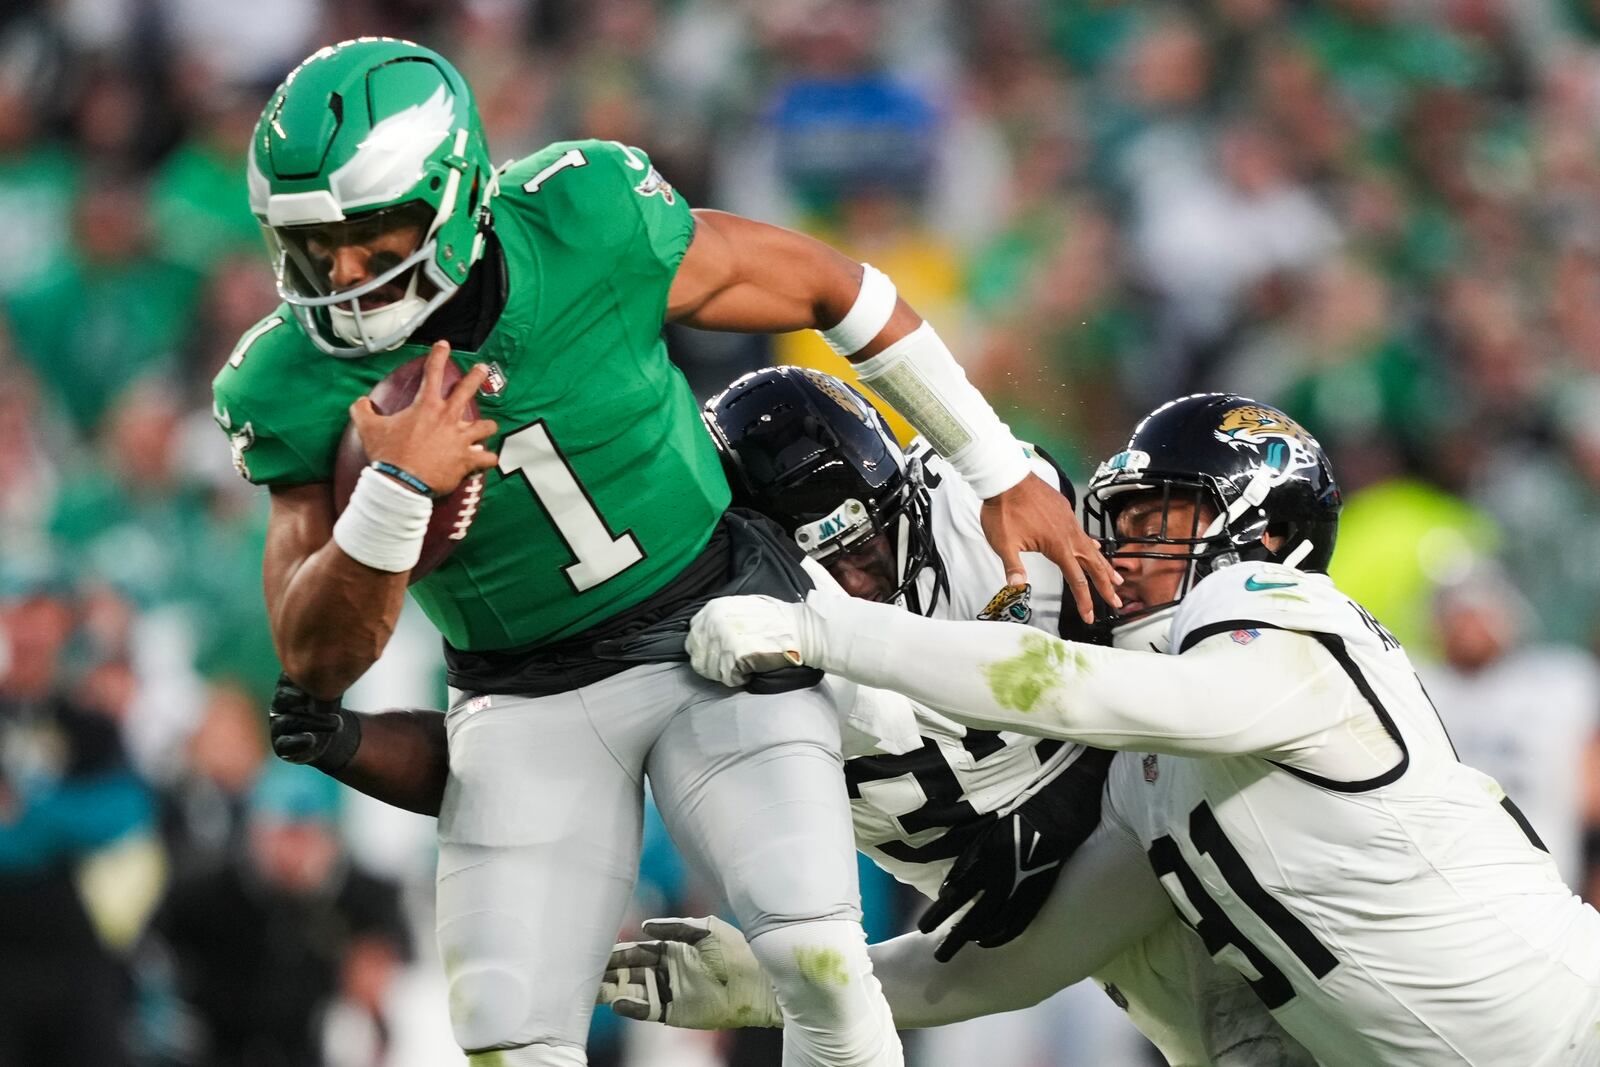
[1381, 215]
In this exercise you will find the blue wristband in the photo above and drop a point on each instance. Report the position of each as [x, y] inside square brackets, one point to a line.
[405, 478]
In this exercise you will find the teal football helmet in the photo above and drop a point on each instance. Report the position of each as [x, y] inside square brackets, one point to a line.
[371, 179]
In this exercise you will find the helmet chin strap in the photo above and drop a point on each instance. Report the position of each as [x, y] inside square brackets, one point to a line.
[1301, 551]
[909, 597]
[902, 548]
[1255, 491]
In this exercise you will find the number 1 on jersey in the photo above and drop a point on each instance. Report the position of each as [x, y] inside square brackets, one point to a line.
[598, 554]
[572, 157]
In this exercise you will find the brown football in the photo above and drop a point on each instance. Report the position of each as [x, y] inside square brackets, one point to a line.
[453, 514]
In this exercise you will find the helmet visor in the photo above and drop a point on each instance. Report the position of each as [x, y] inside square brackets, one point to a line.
[372, 254]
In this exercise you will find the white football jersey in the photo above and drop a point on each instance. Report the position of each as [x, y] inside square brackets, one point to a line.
[1528, 720]
[916, 810]
[1302, 807]
[1385, 900]
[919, 791]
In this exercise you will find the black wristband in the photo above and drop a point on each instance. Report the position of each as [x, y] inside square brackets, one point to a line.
[342, 744]
[405, 478]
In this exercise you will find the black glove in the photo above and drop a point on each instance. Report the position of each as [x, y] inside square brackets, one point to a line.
[1010, 868]
[321, 733]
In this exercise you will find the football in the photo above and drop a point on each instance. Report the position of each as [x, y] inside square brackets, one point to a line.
[453, 514]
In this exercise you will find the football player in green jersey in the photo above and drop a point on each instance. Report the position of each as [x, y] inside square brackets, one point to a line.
[603, 526]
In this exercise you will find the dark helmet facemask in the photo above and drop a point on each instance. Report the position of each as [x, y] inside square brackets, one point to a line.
[901, 519]
[812, 454]
[1256, 469]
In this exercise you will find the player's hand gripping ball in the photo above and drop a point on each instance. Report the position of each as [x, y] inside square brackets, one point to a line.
[454, 511]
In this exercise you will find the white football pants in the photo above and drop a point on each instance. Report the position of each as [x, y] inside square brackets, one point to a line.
[539, 848]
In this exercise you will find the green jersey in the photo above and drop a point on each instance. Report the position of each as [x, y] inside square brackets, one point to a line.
[608, 484]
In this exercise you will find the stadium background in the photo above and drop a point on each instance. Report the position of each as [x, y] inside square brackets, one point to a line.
[1382, 215]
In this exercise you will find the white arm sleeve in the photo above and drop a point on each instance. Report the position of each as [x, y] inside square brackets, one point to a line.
[1279, 694]
[1106, 901]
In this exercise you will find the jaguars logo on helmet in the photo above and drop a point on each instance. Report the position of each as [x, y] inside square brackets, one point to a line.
[1283, 443]
[1251, 469]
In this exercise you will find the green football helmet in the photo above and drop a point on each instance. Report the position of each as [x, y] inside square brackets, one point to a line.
[370, 160]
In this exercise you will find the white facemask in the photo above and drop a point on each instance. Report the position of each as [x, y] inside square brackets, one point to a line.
[385, 327]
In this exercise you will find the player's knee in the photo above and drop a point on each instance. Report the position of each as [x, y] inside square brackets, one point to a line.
[820, 970]
[540, 1055]
[489, 1007]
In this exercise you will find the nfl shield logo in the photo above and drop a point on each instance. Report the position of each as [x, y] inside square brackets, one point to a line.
[494, 383]
[1151, 771]
[1244, 637]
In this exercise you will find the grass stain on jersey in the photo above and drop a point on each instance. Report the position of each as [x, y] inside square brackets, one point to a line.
[822, 966]
[1018, 683]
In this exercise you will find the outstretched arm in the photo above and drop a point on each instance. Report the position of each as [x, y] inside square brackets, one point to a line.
[748, 276]
[1280, 694]
[700, 974]
[1106, 900]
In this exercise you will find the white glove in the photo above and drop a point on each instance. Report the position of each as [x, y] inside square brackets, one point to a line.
[698, 974]
[733, 637]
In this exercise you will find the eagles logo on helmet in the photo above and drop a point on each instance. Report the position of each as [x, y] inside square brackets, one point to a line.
[374, 142]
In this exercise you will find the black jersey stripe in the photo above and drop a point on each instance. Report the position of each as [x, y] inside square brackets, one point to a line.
[1341, 655]
[1335, 646]
[1227, 626]
[1522, 820]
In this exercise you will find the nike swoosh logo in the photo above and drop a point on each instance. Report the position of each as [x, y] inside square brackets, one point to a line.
[1254, 586]
[632, 160]
[1024, 872]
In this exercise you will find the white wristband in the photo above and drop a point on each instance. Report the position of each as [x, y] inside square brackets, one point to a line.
[383, 524]
[867, 316]
[919, 377]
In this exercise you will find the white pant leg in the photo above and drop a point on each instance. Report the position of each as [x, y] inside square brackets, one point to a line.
[752, 789]
[538, 852]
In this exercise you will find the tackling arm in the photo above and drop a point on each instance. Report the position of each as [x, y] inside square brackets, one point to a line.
[701, 974]
[1278, 694]
[1269, 696]
[1106, 900]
